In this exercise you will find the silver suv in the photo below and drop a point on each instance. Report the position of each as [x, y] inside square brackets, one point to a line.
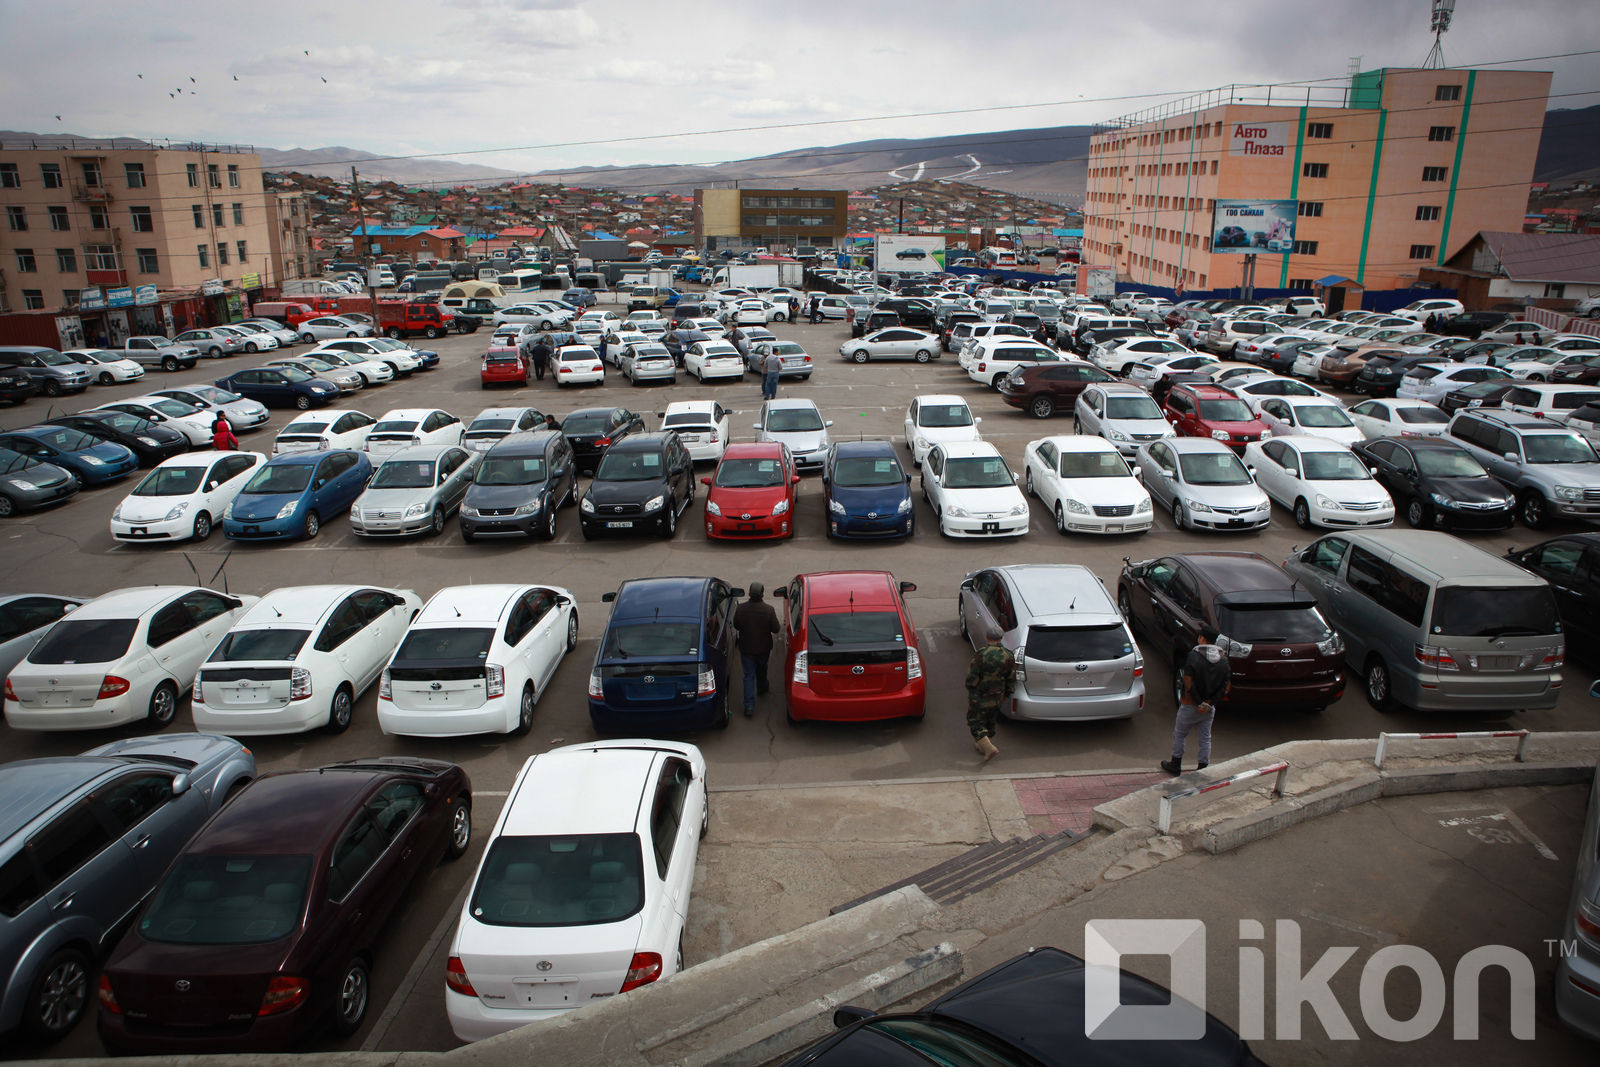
[1551, 469]
[83, 840]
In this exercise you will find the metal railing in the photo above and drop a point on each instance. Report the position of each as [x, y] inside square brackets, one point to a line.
[119, 144]
[1164, 819]
[1385, 738]
[1334, 95]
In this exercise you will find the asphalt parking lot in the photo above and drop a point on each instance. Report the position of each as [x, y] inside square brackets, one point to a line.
[68, 549]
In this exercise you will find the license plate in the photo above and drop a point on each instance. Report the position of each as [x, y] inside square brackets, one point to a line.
[138, 531]
[252, 529]
[745, 527]
[619, 525]
[991, 527]
[1113, 527]
[1235, 522]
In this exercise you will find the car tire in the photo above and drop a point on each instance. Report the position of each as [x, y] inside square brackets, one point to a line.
[436, 527]
[672, 522]
[1061, 521]
[170, 363]
[1027, 482]
[350, 333]
[724, 710]
[1302, 514]
[460, 828]
[431, 332]
[202, 528]
[8, 507]
[340, 711]
[961, 619]
[1177, 514]
[524, 713]
[1417, 514]
[308, 338]
[1042, 407]
[163, 706]
[392, 333]
[1375, 682]
[923, 355]
[1125, 606]
[302, 402]
[59, 995]
[106, 379]
[351, 998]
[1077, 425]
[572, 631]
[859, 356]
[250, 346]
[312, 524]
[1534, 509]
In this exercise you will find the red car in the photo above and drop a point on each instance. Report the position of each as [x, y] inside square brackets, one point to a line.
[852, 651]
[752, 493]
[1211, 411]
[503, 366]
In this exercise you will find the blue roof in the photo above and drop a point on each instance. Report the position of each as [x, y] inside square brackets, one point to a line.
[648, 598]
[1332, 279]
[1059, 232]
[389, 231]
[601, 235]
[864, 448]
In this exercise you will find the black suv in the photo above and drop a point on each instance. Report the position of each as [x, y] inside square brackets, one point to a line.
[1472, 323]
[590, 431]
[642, 483]
[521, 483]
[872, 322]
[919, 314]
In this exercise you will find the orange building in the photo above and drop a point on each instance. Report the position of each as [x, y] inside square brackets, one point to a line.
[1392, 173]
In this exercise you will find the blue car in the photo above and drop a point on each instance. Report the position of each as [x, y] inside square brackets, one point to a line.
[662, 666]
[866, 492]
[280, 387]
[292, 495]
[94, 460]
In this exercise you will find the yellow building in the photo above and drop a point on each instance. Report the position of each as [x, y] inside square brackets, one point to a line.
[773, 218]
[1393, 173]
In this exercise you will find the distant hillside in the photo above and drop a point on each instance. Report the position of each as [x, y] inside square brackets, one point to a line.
[1569, 150]
[336, 161]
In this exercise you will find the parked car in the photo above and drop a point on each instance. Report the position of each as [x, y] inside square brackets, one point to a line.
[590, 431]
[1381, 375]
[368, 371]
[154, 350]
[324, 431]
[704, 426]
[642, 482]
[242, 414]
[1472, 323]
[1123, 414]
[1086, 485]
[414, 490]
[1436, 482]
[27, 483]
[935, 419]
[148, 442]
[15, 385]
[1295, 416]
[796, 361]
[324, 327]
[647, 361]
[1431, 381]
[400, 358]
[406, 427]
[183, 498]
[280, 387]
[1255, 388]
[752, 492]
[1044, 389]
[894, 342]
[524, 479]
[1484, 394]
[797, 424]
[292, 495]
[213, 343]
[1203, 484]
[866, 493]
[24, 619]
[1552, 470]
[851, 651]
[1571, 564]
[90, 459]
[107, 366]
[1398, 418]
[278, 906]
[492, 425]
[972, 491]
[1212, 412]
[51, 373]
[1320, 481]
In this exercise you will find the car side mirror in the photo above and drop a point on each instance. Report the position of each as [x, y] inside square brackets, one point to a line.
[1016, 477]
[1510, 457]
[974, 421]
[755, 426]
[736, 592]
[783, 591]
[908, 479]
[908, 587]
[794, 479]
[1594, 690]
[828, 423]
[607, 598]
[1135, 470]
[180, 785]
[320, 483]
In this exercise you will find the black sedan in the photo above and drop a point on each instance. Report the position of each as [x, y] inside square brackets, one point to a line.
[1437, 483]
[1571, 564]
[523, 481]
[15, 386]
[1028, 1010]
[590, 431]
[149, 442]
[280, 387]
[1472, 323]
[1484, 394]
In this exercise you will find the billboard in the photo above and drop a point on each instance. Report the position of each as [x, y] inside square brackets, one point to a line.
[1245, 226]
[909, 253]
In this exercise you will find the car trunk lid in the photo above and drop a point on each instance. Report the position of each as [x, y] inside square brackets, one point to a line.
[249, 686]
[547, 967]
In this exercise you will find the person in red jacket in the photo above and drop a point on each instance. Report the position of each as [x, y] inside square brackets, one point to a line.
[222, 438]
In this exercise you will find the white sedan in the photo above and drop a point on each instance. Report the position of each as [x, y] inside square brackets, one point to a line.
[713, 359]
[1122, 354]
[578, 365]
[1262, 385]
[372, 371]
[300, 658]
[895, 342]
[324, 327]
[1399, 418]
[1431, 381]
[542, 316]
[398, 357]
[185, 418]
[241, 414]
[1320, 481]
[106, 365]
[250, 340]
[937, 419]
[276, 330]
[564, 887]
[182, 497]
[1086, 484]
[1152, 369]
[1309, 416]
[405, 427]
[326, 430]
[972, 491]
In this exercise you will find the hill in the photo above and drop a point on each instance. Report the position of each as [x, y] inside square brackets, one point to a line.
[1569, 149]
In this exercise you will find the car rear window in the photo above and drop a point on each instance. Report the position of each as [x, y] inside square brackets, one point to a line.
[1063, 644]
[85, 641]
[242, 645]
[580, 880]
[228, 900]
[638, 640]
[858, 628]
[445, 653]
[1494, 611]
[1272, 622]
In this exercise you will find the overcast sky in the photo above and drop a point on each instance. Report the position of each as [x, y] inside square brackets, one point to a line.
[515, 83]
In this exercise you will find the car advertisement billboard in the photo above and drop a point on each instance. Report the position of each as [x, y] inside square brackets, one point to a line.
[1245, 226]
[909, 253]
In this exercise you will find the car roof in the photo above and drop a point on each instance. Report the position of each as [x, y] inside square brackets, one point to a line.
[307, 807]
[846, 589]
[464, 605]
[965, 449]
[1442, 555]
[675, 597]
[754, 450]
[406, 413]
[1193, 444]
[1078, 443]
[304, 459]
[791, 402]
[649, 441]
[1053, 589]
[880, 449]
[501, 413]
[1207, 392]
[1228, 571]
[1119, 389]
[416, 453]
[296, 605]
[691, 407]
[580, 791]
[1311, 443]
[527, 442]
[941, 398]
[123, 603]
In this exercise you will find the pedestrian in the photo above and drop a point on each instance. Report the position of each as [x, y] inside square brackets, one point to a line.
[1204, 680]
[540, 355]
[990, 679]
[1432, 322]
[550, 423]
[816, 309]
[603, 348]
[755, 622]
[771, 367]
[222, 438]
[794, 308]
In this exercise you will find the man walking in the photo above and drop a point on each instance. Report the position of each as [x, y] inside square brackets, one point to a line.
[771, 367]
[1205, 684]
[990, 678]
[815, 308]
[540, 355]
[755, 623]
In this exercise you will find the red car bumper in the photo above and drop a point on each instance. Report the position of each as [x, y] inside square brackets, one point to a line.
[805, 704]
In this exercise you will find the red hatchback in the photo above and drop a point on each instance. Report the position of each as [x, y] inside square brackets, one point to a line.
[852, 651]
[752, 493]
[503, 366]
[1211, 411]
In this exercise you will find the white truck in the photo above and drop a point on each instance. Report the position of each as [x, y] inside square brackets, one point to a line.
[758, 276]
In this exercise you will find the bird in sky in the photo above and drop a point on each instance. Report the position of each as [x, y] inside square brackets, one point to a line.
[141, 77]
[58, 118]
[324, 80]
[191, 79]
[236, 77]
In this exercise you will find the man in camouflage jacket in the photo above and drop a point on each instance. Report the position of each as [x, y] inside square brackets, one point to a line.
[990, 679]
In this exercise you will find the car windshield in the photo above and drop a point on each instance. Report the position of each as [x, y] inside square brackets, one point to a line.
[940, 415]
[1494, 611]
[793, 420]
[295, 374]
[395, 426]
[84, 641]
[1132, 407]
[858, 628]
[651, 640]
[1421, 416]
[1301, 623]
[1225, 411]
[1323, 416]
[864, 471]
[1333, 467]
[629, 467]
[170, 481]
[1451, 463]
[209, 899]
[66, 440]
[1557, 448]
[1093, 465]
[1075, 644]
[244, 645]
[276, 478]
[749, 473]
[11, 462]
[1213, 468]
[404, 474]
[580, 880]
[976, 472]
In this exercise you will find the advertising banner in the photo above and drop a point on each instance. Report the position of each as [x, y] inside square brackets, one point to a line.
[211, 287]
[1244, 226]
[1261, 138]
[91, 299]
[1102, 283]
[144, 295]
[251, 280]
[121, 297]
[909, 253]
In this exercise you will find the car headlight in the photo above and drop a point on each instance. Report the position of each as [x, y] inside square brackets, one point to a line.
[94, 461]
[1219, 435]
[1231, 648]
[288, 509]
[530, 508]
[1077, 507]
[1569, 492]
[416, 510]
[116, 513]
[904, 507]
[1265, 434]
[587, 507]
[1195, 505]
[175, 512]
[1117, 435]
[472, 513]
[1327, 503]
[1144, 507]
[782, 508]
[151, 441]
[355, 511]
[713, 508]
[833, 505]
[956, 511]
[1442, 500]
[654, 502]
[227, 512]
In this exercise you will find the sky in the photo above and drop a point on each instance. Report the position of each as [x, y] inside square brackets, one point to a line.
[529, 85]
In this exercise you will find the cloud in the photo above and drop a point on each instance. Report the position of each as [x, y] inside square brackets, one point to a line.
[169, 35]
[810, 107]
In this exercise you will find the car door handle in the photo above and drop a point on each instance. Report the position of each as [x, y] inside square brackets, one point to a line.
[144, 839]
[63, 902]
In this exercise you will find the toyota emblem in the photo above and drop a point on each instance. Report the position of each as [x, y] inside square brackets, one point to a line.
[1081, 667]
[648, 678]
[858, 669]
[745, 516]
[1285, 651]
[181, 985]
[618, 508]
[544, 965]
[872, 514]
[436, 686]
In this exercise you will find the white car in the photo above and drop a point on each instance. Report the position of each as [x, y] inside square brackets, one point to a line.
[1086, 484]
[477, 660]
[1120, 355]
[324, 327]
[175, 414]
[1123, 414]
[372, 371]
[1321, 481]
[1535, 364]
[710, 327]
[972, 491]
[990, 361]
[749, 312]
[713, 359]
[704, 427]
[249, 340]
[24, 618]
[398, 357]
[1313, 416]
[1419, 310]
[1146, 373]
[1398, 418]
[121, 658]
[183, 497]
[1255, 388]
[542, 316]
[276, 330]
[106, 365]
[1431, 381]
[1308, 361]
[586, 876]
[405, 427]
[322, 431]
[798, 425]
[894, 342]
[241, 414]
[938, 419]
[577, 365]
[212, 342]
[1202, 484]
[491, 424]
[300, 658]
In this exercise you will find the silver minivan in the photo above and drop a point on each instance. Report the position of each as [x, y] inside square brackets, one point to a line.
[1434, 623]
[1076, 658]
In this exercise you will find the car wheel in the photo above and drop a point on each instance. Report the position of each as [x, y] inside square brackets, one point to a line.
[355, 992]
[1042, 407]
[250, 346]
[313, 523]
[393, 333]
[1027, 482]
[1125, 606]
[1535, 377]
[106, 378]
[1417, 514]
[431, 332]
[1177, 514]
[202, 527]
[572, 631]
[1177, 681]
[724, 711]
[163, 705]
[8, 507]
[1302, 514]
[350, 333]
[59, 995]
[524, 713]
[460, 828]
[302, 402]
[1077, 426]
[961, 619]
[858, 356]
[1061, 521]
[672, 521]
[340, 711]
[994, 383]
[436, 527]
[923, 355]
[1535, 509]
[170, 363]
[1375, 679]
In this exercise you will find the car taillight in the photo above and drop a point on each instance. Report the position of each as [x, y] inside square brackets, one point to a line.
[299, 684]
[495, 678]
[913, 663]
[596, 690]
[1019, 660]
[386, 687]
[980, 368]
[11, 694]
[707, 684]
[1554, 658]
[1438, 658]
[604, 442]
[455, 976]
[714, 437]
[802, 670]
[645, 968]
[112, 686]
[283, 994]
[108, 999]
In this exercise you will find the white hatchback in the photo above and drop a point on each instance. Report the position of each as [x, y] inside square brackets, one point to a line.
[713, 359]
[583, 889]
[1313, 416]
[703, 426]
[938, 419]
[578, 365]
[404, 427]
[183, 497]
[321, 431]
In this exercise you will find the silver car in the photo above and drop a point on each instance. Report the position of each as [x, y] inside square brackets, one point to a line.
[24, 617]
[86, 839]
[1203, 484]
[1578, 974]
[348, 379]
[324, 327]
[241, 414]
[414, 491]
[647, 362]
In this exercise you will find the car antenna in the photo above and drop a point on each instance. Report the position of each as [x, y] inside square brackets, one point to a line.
[220, 570]
[456, 610]
[190, 562]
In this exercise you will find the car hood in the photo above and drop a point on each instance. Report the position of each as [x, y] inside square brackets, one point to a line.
[1350, 491]
[259, 507]
[879, 498]
[1139, 426]
[245, 408]
[138, 509]
[503, 496]
[109, 451]
[1345, 435]
[1467, 489]
[398, 499]
[1104, 492]
[1000, 498]
[1227, 496]
[799, 442]
[625, 492]
[943, 435]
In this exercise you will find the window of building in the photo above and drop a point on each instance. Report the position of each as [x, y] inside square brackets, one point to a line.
[67, 260]
[1555, 290]
[216, 214]
[1305, 248]
[242, 253]
[69, 297]
[1427, 212]
[1447, 92]
[99, 217]
[143, 222]
[33, 299]
[222, 253]
[1422, 251]
[17, 217]
[233, 175]
[25, 261]
[204, 253]
[1319, 130]
[1310, 209]
[91, 175]
[134, 172]
[58, 218]
[1300, 283]
[1314, 170]
[213, 176]
[149, 263]
[194, 175]
[1435, 174]
[9, 178]
[50, 174]
[100, 257]
[238, 214]
[199, 215]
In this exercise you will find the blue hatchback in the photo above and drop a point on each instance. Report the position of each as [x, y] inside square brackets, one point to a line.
[866, 492]
[95, 461]
[292, 495]
[662, 666]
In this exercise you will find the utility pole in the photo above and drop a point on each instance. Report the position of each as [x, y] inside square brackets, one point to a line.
[365, 251]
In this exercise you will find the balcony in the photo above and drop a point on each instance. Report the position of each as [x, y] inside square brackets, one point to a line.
[97, 194]
[106, 277]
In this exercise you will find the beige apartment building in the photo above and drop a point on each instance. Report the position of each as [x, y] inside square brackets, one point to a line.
[1393, 172]
[288, 242]
[751, 218]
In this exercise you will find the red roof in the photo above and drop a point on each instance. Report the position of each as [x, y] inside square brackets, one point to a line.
[445, 232]
[845, 589]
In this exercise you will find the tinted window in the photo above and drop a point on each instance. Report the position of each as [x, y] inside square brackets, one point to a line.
[68, 843]
[130, 798]
[170, 481]
[404, 474]
[667, 814]
[244, 645]
[560, 881]
[279, 478]
[944, 415]
[1065, 644]
[1390, 587]
[1496, 611]
[510, 470]
[85, 641]
[29, 614]
[865, 471]
[638, 640]
[1300, 623]
[858, 628]
[228, 900]
[432, 645]
[19, 885]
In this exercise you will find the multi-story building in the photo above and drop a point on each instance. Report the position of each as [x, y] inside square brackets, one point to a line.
[1392, 173]
[288, 242]
[774, 218]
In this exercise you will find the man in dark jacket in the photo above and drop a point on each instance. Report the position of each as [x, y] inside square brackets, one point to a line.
[755, 623]
[991, 677]
[1205, 684]
[539, 356]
